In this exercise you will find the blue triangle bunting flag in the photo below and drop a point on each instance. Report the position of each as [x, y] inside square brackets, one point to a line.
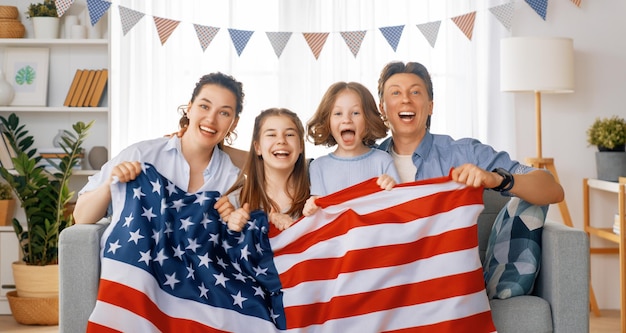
[392, 35]
[97, 8]
[240, 39]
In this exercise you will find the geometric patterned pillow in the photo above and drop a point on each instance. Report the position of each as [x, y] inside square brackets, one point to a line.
[513, 254]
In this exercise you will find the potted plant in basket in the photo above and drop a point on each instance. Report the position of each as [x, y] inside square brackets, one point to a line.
[44, 195]
[609, 135]
[45, 19]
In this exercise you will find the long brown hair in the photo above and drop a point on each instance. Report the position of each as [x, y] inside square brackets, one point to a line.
[318, 127]
[252, 178]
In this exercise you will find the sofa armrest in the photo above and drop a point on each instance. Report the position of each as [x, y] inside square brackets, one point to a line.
[79, 274]
[564, 276]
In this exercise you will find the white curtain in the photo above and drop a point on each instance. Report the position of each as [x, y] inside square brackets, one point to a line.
[150, 80]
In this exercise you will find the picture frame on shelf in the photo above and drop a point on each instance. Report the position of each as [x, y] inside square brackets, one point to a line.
[26, 69]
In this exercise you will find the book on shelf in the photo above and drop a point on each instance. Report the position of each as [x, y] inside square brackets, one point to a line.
[88, 82]
[73, 87]
[92, 88]
[79, 88]
[99, 89]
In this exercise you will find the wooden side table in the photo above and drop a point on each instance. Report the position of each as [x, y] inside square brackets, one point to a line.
[608, 234]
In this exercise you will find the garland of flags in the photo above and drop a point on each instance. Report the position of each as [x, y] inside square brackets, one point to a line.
[315, 40]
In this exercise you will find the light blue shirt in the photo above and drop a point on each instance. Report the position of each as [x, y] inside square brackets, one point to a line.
[331, 173]
[166, 155]
[437, 154]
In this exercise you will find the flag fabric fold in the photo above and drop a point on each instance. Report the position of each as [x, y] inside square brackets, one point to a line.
[404, 260]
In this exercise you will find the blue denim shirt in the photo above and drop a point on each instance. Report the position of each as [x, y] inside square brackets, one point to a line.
[437, 154]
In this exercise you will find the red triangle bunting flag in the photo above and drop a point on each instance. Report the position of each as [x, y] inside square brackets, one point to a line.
[353, 39]
[466, 23]
[62, 6]
[316, 41]
[165, 27]
[539, 6]
[205, 34]
[129, 18]
[430, 30]
[504, 14]
[279, 41]
[576, 2]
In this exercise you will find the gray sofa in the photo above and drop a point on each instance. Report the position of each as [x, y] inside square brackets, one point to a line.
[559, 303]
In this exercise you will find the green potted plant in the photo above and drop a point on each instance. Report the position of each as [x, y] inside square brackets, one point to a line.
[609, 135]
[44, 194]
[45, 19]
[7, 204]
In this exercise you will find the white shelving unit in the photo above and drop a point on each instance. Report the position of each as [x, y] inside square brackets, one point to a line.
[10, 252]
[66, 56]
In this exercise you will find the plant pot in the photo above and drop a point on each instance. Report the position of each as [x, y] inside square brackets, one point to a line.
[46, 27]
[36, 281]
[611, 165]
[34, 311]
[7, 208]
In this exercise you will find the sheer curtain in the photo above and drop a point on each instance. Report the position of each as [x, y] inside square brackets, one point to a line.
[150, 80]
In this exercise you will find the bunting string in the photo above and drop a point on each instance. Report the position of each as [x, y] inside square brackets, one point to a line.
[315, 40]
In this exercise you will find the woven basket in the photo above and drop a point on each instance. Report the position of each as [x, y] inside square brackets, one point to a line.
[34, 311]
[8, 12]
[10, 28]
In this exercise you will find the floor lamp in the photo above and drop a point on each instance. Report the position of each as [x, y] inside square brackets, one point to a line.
[540, 65]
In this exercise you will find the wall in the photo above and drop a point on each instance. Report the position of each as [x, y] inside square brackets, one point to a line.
[600, 73]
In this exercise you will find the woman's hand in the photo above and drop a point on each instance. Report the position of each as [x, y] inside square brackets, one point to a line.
[224, 208]
[309, 206]
[126, 171]
[238, 219]
[386, 182]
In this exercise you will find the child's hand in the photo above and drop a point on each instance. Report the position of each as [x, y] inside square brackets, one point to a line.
[126, 171]
[238, 219]
[280, 221]
[224, 208]
[309, 206]
[386, 182]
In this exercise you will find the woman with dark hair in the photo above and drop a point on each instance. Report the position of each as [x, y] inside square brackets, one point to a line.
[191, 161]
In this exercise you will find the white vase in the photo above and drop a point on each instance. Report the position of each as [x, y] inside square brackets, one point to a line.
[46, 27]
[6, 91]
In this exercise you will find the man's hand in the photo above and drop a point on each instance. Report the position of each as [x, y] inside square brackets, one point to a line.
[473, 176]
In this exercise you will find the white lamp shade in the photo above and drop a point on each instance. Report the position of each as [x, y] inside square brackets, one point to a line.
[544, 64]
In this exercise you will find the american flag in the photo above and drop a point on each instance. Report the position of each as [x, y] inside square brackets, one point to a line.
[404, 260]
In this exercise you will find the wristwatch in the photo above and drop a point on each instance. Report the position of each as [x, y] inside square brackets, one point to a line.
[507, 182]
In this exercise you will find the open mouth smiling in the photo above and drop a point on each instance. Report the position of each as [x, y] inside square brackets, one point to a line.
[207, 129]
[406, 115]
